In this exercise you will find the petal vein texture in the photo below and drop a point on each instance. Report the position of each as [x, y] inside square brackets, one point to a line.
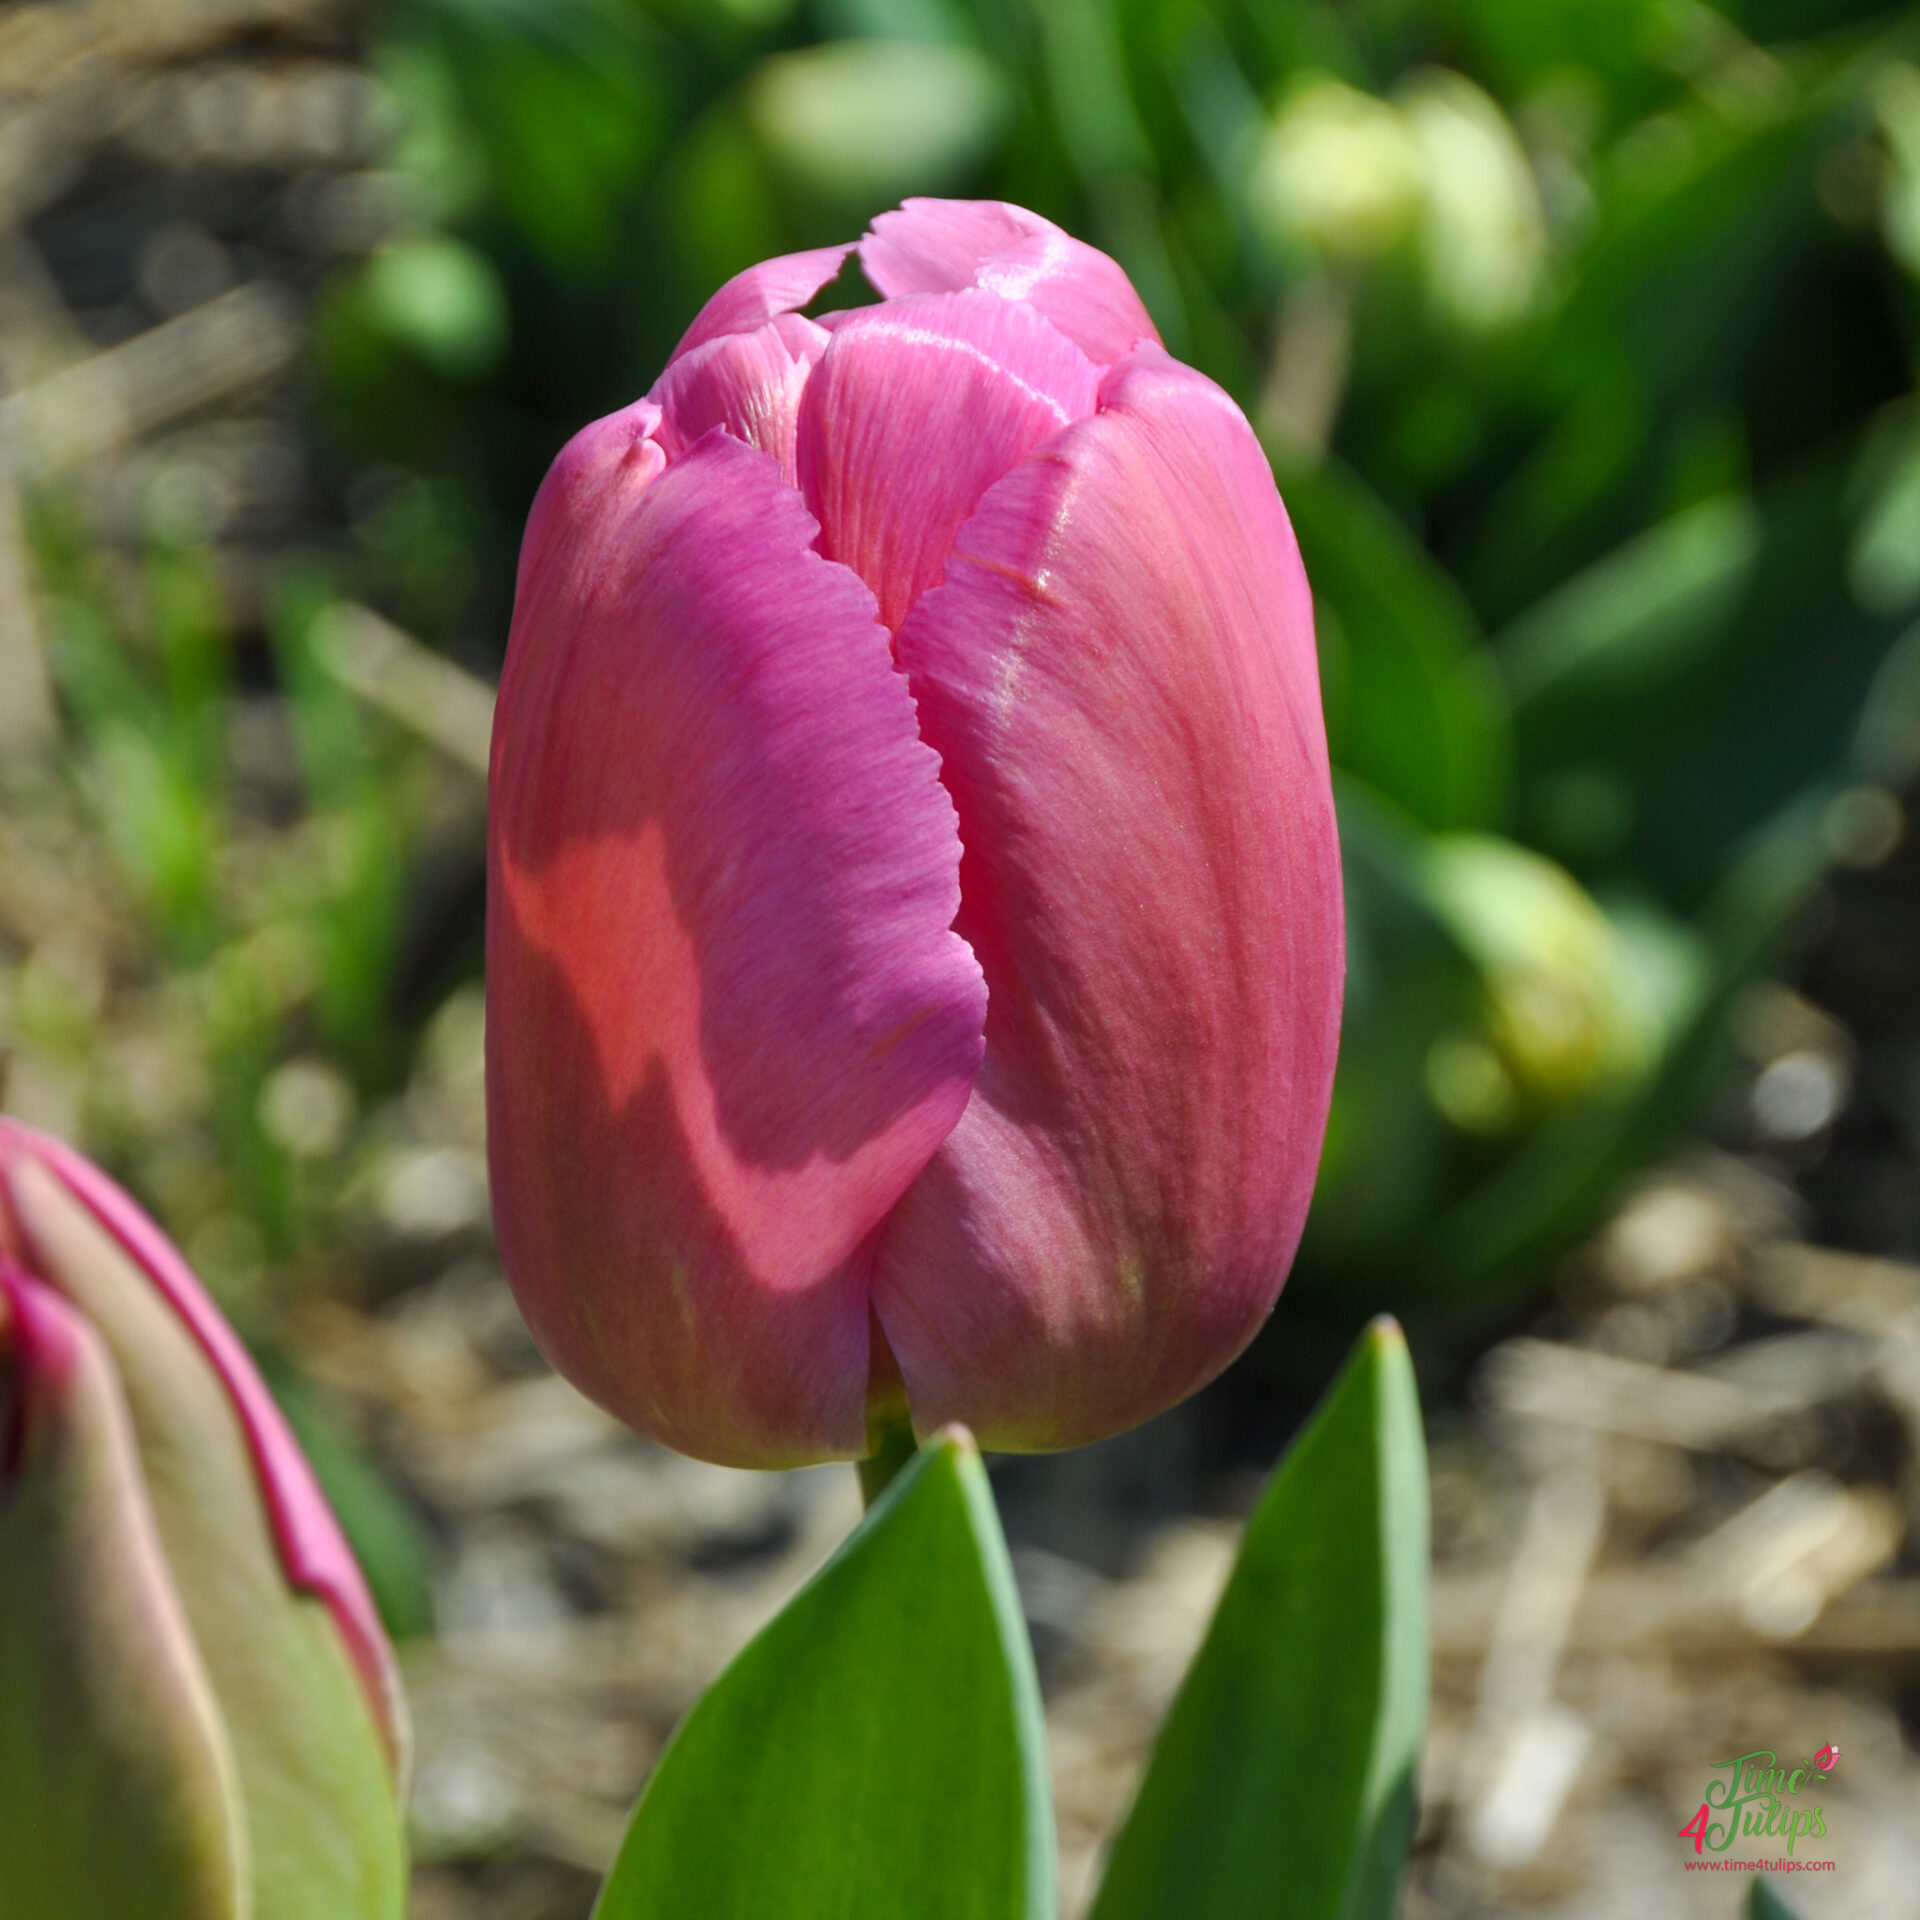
[914, 929]
[1120, 680]
[723, 882]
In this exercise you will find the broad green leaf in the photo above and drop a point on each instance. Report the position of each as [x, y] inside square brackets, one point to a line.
[1678, 695]
[1678, 281]
[522, 68]
[877, 1751]
[1284, 1778]
[1763, 1903]
[1652, 606]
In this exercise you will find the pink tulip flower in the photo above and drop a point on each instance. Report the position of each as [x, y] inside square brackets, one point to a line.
[914, 943]
[199, 1711]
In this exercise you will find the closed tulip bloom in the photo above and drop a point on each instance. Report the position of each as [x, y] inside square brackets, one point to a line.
[199, 1715]
[914, 940]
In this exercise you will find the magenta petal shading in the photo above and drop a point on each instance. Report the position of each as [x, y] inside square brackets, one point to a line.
[1119, 676]
[314, 1550]
[624, 443]
[916, 409]
[728, 1020]
[750, 299]
[749, 383]
[940, 246]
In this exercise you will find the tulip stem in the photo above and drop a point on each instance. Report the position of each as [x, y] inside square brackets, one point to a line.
[893, 1446]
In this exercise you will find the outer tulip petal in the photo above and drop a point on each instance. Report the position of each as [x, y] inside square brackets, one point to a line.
[750, 299]
[1119, 676]
[939, 246]
[624, 444]
[117, 1792]
[916, 409]
[314, 1552]
[323, 1828]
[728, 1020]
[749, 383]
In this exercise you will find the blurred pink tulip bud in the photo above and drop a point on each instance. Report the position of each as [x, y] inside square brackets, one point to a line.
[199, 1712]
[915, 944]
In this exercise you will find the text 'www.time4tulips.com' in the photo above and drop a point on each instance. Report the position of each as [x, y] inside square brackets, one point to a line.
[1782, 1865]
[1761, 1797]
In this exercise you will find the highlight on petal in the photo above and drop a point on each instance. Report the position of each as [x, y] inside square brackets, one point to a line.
[1118, 674]
[750, 299]
[749, 383]
[940, 246]
[120, 1793]
[728, 1020]
[313, 1550]
[916, 409]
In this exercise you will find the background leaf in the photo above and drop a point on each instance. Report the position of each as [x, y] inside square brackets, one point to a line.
[1284, 1778]
[1764, 1904]
[1414, 705]
[876, 1751]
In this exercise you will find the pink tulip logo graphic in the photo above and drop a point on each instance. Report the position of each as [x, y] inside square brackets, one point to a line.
[1827, 1758]
[915, 946]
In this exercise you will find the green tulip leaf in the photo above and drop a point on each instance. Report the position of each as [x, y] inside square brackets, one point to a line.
[1284, 1778]
[878, 1750]
[1645, 612]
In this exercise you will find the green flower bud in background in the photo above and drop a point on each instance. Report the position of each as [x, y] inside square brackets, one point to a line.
[199, 1713]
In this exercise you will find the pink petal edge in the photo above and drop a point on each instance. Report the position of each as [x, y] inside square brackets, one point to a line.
[915, 409]
[750, 299]
[312, 1548]
[749, 383]
[940, 246]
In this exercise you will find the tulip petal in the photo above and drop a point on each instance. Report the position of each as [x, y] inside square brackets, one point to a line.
[749, 383]
[1118, 674]
[916, 409]
[118, 1799]
[624, 444]
[323, 1828]
[750, 299]
[940, 246]
[728, 1021]
[314, 1552]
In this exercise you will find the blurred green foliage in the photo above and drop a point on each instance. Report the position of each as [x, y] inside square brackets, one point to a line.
[1581, 336]
[1581, 333]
